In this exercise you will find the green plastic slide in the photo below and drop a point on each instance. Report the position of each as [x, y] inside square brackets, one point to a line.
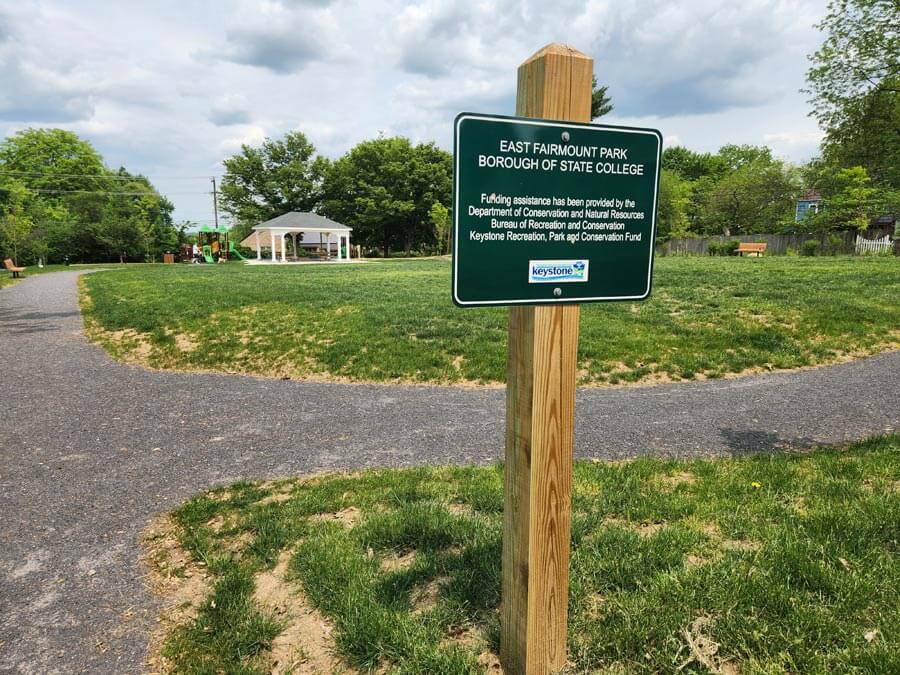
[207, 254]
[233, 251]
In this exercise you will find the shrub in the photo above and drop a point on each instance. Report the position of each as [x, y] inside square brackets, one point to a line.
[723, 247]
[834, 243]
[810, 247]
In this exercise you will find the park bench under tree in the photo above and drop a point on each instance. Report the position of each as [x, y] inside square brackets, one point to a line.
[16, 271]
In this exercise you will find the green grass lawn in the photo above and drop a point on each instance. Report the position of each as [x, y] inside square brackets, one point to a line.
[394, 321]
[770, 564]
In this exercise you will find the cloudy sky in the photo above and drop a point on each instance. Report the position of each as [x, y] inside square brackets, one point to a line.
[170, 88]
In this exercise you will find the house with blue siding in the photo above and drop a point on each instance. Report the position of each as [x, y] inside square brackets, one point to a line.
[809, 202]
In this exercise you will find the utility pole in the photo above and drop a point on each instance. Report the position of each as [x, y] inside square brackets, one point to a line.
[215, 203]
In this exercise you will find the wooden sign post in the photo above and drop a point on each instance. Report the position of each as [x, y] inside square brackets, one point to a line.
[549, 212]
[555, 83]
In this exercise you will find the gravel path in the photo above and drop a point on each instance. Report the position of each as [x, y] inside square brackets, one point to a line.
[90, 450]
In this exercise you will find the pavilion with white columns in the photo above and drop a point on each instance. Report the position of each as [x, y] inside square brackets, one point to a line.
[301, 229]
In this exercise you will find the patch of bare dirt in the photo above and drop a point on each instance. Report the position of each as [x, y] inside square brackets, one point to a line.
[657, 377]
[645, 529]
[460, 509]
[185, 343]
[710, 530]
[305, 646]
[649, 529]
[740, 545]
[218, 522]
[238, 543]
[219, 496]
[653, 379]
[596, 602]
[671, 481]
[490, 662]
[395, 563]
[136, 346]
[426, 597]
[692, 560]
[347, 517]
[173, 574]
[703, 650]
[799, 505]
[276, 498]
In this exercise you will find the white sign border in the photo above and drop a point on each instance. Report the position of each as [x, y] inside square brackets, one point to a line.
[548, 123]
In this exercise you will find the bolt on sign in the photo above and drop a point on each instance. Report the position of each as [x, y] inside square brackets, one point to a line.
[552, 212]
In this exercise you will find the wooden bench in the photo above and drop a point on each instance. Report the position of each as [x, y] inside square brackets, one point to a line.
[750, 249]
[16, 271]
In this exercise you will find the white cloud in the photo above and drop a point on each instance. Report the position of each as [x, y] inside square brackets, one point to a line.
[230, 109]
[251, 135]
[170, 89]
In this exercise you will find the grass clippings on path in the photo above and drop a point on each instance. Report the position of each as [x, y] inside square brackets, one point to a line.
[775, 563]
[394, 321]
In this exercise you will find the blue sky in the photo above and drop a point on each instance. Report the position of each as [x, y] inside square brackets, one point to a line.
[170, 89]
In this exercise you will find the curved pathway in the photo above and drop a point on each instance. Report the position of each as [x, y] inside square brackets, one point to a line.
[91, 449]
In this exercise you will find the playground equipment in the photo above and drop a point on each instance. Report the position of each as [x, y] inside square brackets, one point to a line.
[233, 251]
[214, 244]
[212, 241]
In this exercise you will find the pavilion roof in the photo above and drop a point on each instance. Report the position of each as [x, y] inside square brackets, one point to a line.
[303, 220]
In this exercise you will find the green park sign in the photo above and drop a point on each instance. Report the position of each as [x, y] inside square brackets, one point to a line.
[552, 212]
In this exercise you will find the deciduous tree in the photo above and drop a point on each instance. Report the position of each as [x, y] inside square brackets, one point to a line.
[15, 223]
[757, 197]
[385, 188]
[674, 200]
[439, 215]
[854, 86]
[860, 55]
[264, 182]
[73, 195]
[851, 199]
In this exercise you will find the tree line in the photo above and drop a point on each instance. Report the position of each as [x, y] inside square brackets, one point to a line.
[397, 195]
[57, 197]
[393, 193]
[854, 87]
[58, 200]
[745, 190]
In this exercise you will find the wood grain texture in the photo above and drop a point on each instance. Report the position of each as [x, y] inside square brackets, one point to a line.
[554, 83]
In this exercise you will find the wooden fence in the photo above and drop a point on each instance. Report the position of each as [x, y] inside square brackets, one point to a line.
[776, 244]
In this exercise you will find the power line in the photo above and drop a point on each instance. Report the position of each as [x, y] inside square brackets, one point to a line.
[42, 174]
[111, 192]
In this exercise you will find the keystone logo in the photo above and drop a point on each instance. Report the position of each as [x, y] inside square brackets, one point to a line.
[557, 271]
